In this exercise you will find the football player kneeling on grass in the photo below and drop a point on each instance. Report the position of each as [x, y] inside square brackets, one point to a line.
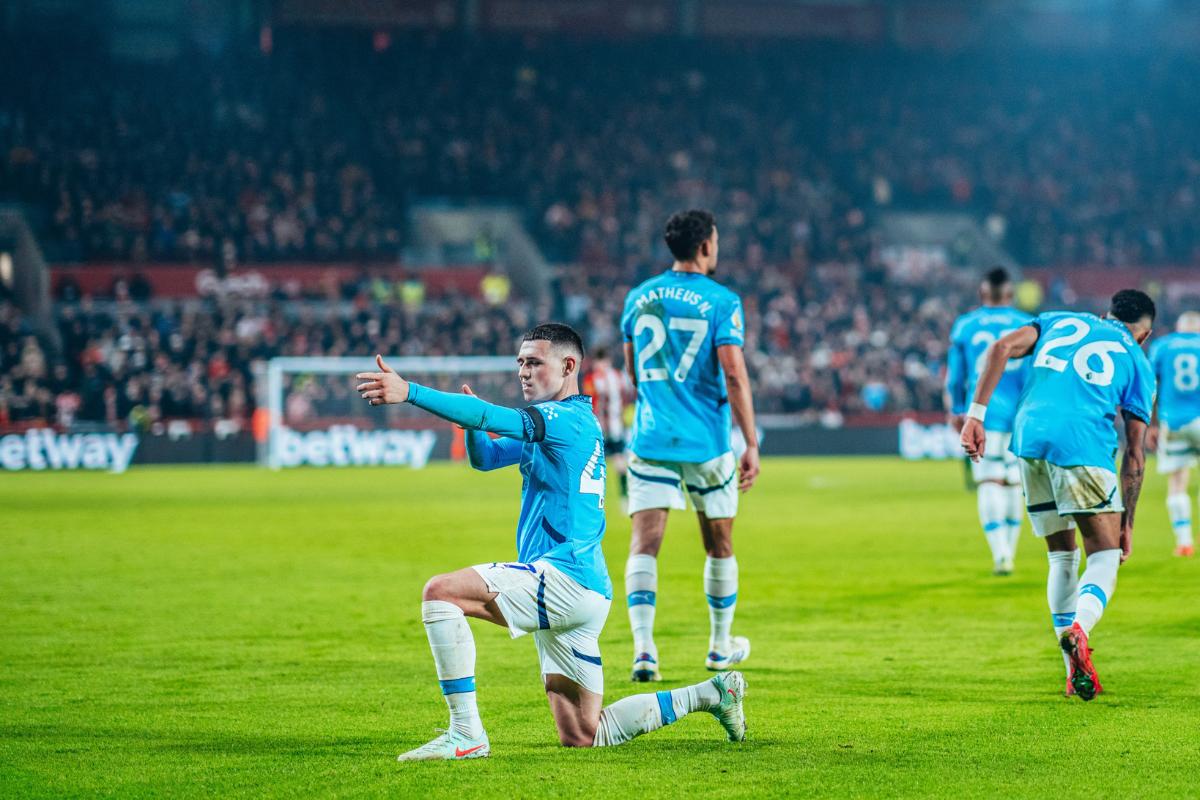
[558, 589]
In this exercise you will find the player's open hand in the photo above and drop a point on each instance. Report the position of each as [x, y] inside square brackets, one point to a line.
[383, 387]
[748, 469]
[973, 438]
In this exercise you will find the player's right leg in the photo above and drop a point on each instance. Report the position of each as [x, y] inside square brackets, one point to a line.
[1062, 554]
[1015, 501]
[446, 602]
[568, 645]
[712, 487]
[1090, 495]
[654, 488]
[1179, 509]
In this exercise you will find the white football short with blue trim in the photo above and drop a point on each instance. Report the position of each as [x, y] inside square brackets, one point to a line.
[564, 617]
[1178, 449]
[712, 485]
[999, 463]
[1053, 494]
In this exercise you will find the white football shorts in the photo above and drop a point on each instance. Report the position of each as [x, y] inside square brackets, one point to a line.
[1178, 449]
[564, 617]
[1052, 493]
[712, 485]
[999, 464]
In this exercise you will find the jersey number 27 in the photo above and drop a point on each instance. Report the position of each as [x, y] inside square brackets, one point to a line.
[698, 328]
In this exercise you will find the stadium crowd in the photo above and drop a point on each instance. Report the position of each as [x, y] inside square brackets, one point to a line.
[316, 150]
[846, 342]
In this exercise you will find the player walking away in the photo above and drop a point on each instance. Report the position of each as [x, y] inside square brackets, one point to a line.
[683, 350]
[558, 589]
[996, 477]
[1084, 367]
[609, 390]
[1176, 361]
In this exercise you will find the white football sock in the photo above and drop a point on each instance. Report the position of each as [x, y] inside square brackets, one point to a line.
[720, 586]
[1013, 517]
[1179, 508]
[992, 513]
[641, 590]
[453, 649]
[1096, 587]
[1062, 593]
[642, 713]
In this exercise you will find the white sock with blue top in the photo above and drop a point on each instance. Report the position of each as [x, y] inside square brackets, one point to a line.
[721, 587]
[643, 713]
[453, 649]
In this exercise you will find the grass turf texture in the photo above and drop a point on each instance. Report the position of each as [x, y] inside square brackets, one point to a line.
[229, 631]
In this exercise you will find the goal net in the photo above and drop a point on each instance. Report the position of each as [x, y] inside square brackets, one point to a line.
[315, 418]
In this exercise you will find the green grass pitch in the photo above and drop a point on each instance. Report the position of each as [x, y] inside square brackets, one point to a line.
[233, 632]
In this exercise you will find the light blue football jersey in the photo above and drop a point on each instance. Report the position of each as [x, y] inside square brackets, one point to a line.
[1176, 361]
[676, 321]
[560, 448]
[970, 337]
[1084, 367]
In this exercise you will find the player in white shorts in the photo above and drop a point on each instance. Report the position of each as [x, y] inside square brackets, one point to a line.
[1084, 368]
[558, 590]
[683, 351]
[997, 480]
[1176, 361]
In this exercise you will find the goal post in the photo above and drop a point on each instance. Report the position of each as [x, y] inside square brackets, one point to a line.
[315, 418]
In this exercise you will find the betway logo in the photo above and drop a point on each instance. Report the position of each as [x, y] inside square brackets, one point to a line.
[928, 441]
[42, 448]
[346, 445]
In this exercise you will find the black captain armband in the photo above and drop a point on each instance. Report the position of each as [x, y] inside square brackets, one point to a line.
[535, 424]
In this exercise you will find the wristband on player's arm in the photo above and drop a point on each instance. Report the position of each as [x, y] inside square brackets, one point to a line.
[467, 410]
[977, 411]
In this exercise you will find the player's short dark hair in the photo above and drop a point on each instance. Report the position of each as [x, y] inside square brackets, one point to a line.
[1131, 305]
[557, 334]
[687, 230]
[996, 277]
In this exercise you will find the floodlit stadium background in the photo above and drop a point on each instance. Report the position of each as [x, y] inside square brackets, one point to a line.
[195, 187]
[192, 188]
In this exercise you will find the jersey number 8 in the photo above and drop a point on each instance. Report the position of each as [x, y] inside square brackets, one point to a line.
[1187, 378]
[1082, 359]
[698, 328]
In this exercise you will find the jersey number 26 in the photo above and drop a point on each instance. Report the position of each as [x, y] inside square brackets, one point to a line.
[1082, 360]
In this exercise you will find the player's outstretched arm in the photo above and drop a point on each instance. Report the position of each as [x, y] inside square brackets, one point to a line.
[1133, 467]
[485, 453]
[741, 403]
[386, 387]
[1017, 344]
